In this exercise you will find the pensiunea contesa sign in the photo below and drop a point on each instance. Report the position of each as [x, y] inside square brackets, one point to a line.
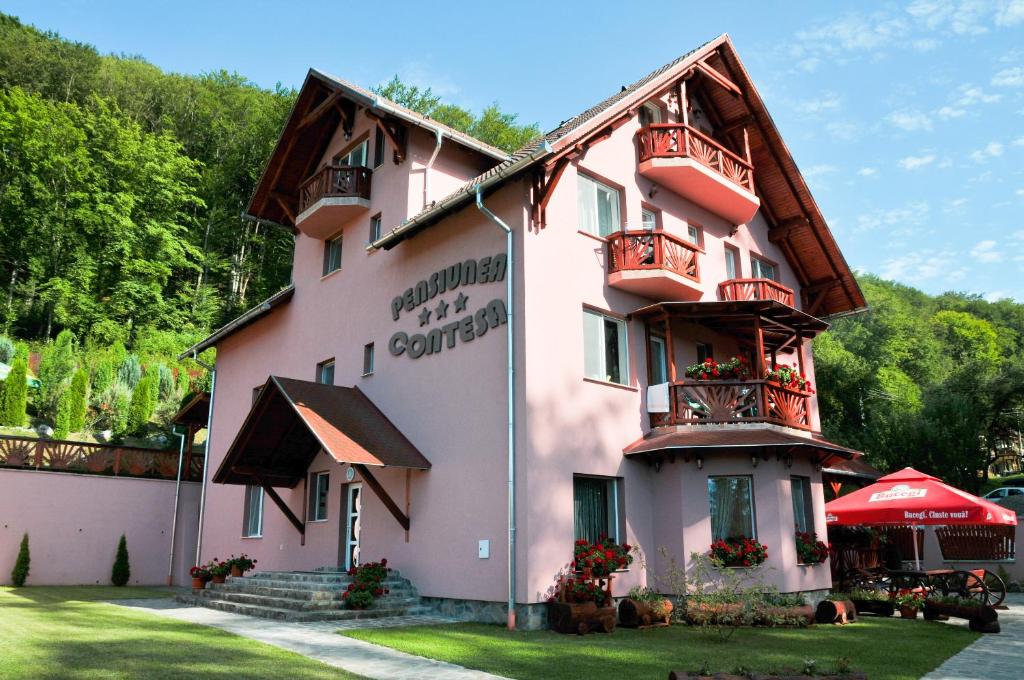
[897, 493]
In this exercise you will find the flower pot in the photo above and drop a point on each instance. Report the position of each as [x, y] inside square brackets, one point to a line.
[236, 572]
[198, 584]
[908, 612]
[220, 578]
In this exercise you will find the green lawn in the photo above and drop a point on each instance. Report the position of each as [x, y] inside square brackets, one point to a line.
[886, 649]
[66, 632]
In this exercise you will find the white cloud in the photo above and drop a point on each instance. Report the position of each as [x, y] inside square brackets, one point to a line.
[828, 102]
[843, 130]
[1020, 192]
[1010, 13]
[1009, 77]
[947, 112]
[955, 205]
[916, 267]
[911, 121]
[986, 252]
[969, 95]
[1017, 235]
[967, 17]
[990, 150]
[820, 170]
[1018, 142]
[867, 172]
[903, 220]
[996, 296]
[915, 162]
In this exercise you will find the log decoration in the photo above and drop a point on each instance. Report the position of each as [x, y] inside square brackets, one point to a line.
[983, 619]
[696, 675]
[836, 611]
[876, 607]
[638, 614]
[580, 618]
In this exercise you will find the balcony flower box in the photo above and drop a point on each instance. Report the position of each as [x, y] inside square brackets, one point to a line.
[738, 552]
[809, 550]
[736, 368]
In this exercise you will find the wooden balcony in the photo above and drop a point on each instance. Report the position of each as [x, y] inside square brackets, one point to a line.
[54, 455]
[755, 289]
[700, 169]
[331, 197]
[654, 264]
[725, 402]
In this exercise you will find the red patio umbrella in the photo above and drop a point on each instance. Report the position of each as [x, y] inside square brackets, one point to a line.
[909, 497]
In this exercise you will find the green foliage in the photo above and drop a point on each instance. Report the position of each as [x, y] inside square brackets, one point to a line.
[15, 395]
[21, 564]
[165, 382]
[6, 349]
[142, 404]
[78, 398]
[62, 419]
[103, 375]
[130, 371]
[492, 126]
[56, 365]
[121, 571]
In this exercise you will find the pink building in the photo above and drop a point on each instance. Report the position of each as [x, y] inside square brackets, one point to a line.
[366, 410]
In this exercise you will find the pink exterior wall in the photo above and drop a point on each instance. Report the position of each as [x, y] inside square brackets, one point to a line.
[74, 523]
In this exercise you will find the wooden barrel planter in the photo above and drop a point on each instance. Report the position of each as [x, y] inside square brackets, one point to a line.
[634, 614]
[981, 618]
[835, 611]
[580, 618]
[876, 607]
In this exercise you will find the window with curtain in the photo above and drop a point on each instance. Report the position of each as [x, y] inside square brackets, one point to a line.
[604, 348]
[319, 486]
[803, 506]
[252, 520]
[693, 234]
[648, 219]
[595, 507]
[598, 207]
[732, 507]
[332, 255]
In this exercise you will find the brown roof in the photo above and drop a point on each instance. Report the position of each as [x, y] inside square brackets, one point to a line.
[195, 412]
[293, 420]
[732, 438]
[854, 467]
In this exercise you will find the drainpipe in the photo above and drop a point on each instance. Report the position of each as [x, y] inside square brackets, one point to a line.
[177, 499]
[430, 164]
[206, 451]
[510, 337]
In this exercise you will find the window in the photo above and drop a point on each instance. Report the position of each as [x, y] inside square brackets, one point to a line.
[649, 114]
[332, 255]
[325, 372]
[659, 361]
[368, 359]
[649, 219]
[378, 147]
[319, 485]
[595, 508]
[598, 206]
[704, 351]
[252, 520]
[732, 507]
[693, 234]
[356, 156]
[375, 228]
[760, 269]
[604, 348]
[732, 260]
[803, 507]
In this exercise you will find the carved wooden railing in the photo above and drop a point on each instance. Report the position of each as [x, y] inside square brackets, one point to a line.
[643, 249]
[335, 181]
[675, 140]
[976, 543]
[98, 459]
[755, 289]
[707, 402]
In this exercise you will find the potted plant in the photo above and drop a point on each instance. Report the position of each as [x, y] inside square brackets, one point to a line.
[736, 368]
[809, 549]
[601, 558]
[909, 601]
[738, 552]
[580, 604]
[790, 377]
[200, 576]
[240, 565]
[367, 585]
[219, 570]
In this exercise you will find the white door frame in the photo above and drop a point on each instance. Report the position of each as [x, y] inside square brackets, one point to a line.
[352, 537]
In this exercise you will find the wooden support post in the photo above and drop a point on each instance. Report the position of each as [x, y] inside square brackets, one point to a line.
[746, 144]
[408, 497]
[279, 502]
[800, 352]
[684, 115]
[758, 348]
[670, 353]
[382, 494]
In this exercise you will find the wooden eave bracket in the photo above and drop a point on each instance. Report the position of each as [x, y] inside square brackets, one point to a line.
[382, 494]
[282, 506]
[717, 77]
[786, 227]
[396, 134]
[320, 109]
[284, 202]
[543, 188]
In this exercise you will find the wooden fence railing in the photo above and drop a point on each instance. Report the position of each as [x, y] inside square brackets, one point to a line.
[98, 459]
[643, 249]
[676, 140]
[709, 402]
[337, 181]
[755, 289]
[972, 543]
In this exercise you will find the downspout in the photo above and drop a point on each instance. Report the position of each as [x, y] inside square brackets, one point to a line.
[177, 499]
[510, 340]
[206, 451]
[430, 165]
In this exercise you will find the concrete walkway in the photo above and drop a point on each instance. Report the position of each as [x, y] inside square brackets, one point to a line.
[992, 656]
[319, 640]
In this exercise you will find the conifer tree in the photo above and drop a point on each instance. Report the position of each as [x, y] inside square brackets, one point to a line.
[15, 395]
[20, 572]
[78, 398]
[121, 572]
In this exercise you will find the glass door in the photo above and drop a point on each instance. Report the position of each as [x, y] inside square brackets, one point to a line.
[353, 507]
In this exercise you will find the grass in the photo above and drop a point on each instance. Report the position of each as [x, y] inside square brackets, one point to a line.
[68, 632]
[885, 649]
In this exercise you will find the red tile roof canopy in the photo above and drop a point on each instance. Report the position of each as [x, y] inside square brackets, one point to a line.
[293, 420]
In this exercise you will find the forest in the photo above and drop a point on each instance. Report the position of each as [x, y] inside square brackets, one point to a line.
[123, 241]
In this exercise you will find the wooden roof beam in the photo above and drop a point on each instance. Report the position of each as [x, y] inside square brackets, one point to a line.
[717, 77]
[396, 133]
[382, 494]
[322, 108]
[283, 507]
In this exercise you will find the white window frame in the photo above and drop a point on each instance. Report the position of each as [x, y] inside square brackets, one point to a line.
[757, 266]
[368, 359]
[614, 518]
[806, 512]
[357, 156]
[653, 111]
[247, 512]
[588, 191]
[753, 505]
[330, 266]
[732, 257]
[595, 365]
[375, 228]
[693, 234]
[326, 363]
[659, 364]
[648, 219]
[314, 495]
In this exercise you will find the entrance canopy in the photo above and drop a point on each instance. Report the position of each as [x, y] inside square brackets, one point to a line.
[909, 497]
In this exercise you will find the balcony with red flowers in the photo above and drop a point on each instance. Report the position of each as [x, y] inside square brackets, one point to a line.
[700, 169]
[332, 196]
[654, 264]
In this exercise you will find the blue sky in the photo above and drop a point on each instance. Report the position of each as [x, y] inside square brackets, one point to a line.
[906, 118]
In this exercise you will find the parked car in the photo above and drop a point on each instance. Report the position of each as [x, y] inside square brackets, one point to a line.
[1004, 492]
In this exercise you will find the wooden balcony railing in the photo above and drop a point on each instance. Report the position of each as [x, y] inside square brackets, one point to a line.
[755, 289]
[706, 402]
[676, 140]
[335, 181]
[642, 249]
[97, 459]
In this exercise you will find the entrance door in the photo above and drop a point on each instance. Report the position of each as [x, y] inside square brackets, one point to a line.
[350, 545]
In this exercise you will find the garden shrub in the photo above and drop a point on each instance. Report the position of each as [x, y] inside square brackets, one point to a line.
[121, 572]
[15, 395]
[78, 398]
[130, 371]
[20, 572]
[56, 365]
[62, 421]
[165, 380]
[368, 585]
[6, 349]
[103, 375]
[141, 407]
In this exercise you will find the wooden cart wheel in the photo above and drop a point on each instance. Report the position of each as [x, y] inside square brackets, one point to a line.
[972, 588]
[996, 588]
